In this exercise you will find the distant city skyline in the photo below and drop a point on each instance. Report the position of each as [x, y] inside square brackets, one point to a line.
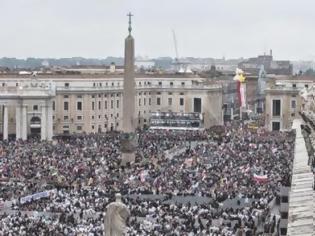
[216, 29]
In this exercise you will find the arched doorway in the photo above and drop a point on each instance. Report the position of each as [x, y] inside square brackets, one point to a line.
[35, 125]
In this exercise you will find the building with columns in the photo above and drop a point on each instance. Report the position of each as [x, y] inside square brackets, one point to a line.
[94, 102]
[27, 108]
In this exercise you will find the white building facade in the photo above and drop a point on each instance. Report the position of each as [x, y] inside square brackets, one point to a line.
[93, 103]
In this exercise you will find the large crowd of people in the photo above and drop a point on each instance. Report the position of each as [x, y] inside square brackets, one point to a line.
[222, 185]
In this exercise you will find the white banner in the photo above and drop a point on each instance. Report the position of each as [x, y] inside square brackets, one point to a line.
[36, 196]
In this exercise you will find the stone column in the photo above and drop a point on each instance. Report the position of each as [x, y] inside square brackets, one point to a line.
[24, 122]
[43, 125]
[49, 121]
[18, 121]
[5, 123]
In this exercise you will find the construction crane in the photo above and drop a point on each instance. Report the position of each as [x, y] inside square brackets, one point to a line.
[175, 45]
[180, 66]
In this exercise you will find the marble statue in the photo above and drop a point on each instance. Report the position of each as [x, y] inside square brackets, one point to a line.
[116, 217]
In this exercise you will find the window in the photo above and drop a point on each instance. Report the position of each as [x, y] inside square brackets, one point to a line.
[158, 93]
[293, 104]
[93, 106]
[93, 96]
[54, 105]
[65, 96]
[112, 104]
[275, 126]
[158, 101]
[285, 199]
[105, 104]
[92, 117]
[284, 215]
[144, 101]
[117, 115]
[306, 85]
[92, 127]
[276, 107]
[170, 93]
[65, 118]
[79, 117]
[35, 108]
[66, 106]
[294, 85]
[67, 85]
[117, 124]
[79, 96]
[170, 101]
[181, 101]
[79, 127]
[183, 83]
[139, 102]
[79, 106]
[117, 104]
[160, 83]
[149, 101]
[197, 105]
[171, 83]
[99, 105]
[181, 93]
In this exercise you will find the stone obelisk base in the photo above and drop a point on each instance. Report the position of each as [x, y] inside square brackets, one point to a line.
[127, 158]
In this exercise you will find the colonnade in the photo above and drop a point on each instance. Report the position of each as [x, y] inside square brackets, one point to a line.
[21, 121]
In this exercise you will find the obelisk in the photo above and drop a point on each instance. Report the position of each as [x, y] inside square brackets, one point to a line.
[128, 139]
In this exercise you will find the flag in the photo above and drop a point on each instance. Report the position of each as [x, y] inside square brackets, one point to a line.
[260, 178]
[241, 86]
[245, 168]
[188, 162]
[143, 175]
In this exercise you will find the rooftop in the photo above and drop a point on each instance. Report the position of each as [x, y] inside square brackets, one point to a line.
[301, 196]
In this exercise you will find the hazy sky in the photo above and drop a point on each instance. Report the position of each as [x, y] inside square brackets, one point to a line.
[204, 28]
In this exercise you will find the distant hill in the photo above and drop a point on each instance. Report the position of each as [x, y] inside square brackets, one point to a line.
[32, 63]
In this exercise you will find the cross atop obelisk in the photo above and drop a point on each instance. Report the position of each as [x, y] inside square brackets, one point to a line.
[130, 28]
